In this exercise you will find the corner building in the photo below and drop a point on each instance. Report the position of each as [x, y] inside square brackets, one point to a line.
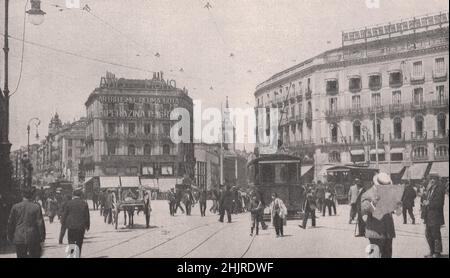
[128, 129]
[387, 86]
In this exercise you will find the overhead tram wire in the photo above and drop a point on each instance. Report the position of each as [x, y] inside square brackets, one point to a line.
[23, 51]
[73, 54]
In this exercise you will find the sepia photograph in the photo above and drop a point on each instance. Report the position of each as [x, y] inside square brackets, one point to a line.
[224, 129]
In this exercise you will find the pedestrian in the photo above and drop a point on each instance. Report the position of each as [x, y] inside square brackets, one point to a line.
[327, 202]
[202, 202]
[3, 220]
[360, 224]
[102, 201]
[226, 204]
[408, 198]
[434, 215]
[76, 219]
[147, 208]
[255, 210]
[379, 232]
[26, 227]
[352, 196]
[172, 201]
[188, 201]
[310, 209]
[320, 196]
[278, 213]
[52, 208]
[95, 200]
[179, 196]
[63, 229]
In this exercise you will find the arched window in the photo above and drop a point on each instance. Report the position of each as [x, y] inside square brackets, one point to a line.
[131, 150]
[166, 149]
[397, 128]
[420, 153]
[357, 130]
[147, 149]
[419, 126]
[441, 123]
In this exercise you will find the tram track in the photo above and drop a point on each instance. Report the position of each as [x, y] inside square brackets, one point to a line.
[182, 234]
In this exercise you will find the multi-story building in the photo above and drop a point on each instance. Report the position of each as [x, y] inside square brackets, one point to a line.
[383, 94]
[128, 129]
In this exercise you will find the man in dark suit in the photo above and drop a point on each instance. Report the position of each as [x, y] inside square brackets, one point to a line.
[202, 202]
[26, 227]
[76, 219]
[63, 229]
[434, 215]
[310, 209]
[409, 195]
[226, 204]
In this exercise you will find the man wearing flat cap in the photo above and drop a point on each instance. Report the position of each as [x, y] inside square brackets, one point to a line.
[76, 219]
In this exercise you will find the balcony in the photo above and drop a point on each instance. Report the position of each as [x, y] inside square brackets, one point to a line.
[397, 137]
[120, 159]
[440, 134]
[439, 76]
[418, 106]
[299, 117]
[137, 136]
[418, 136]
[308, 94]
[417, 79]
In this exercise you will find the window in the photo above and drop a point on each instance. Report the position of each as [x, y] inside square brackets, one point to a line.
[292, 111]
[111, 128]
[375, 82]
[309, 84]
[397, 128]
[334, 133]
[300, 108]
[419, 126]
[418, 96]
[147, 128]
[132, 128]
[69, 152]
[376, 100]
[147, 149]
[332, 86]
[166, 170]
[147, 171]
[131, 150]
[111, 170]
[441, 152]
[381, 157]
[166, 129]
[395, 79]
[132, 170]
[441, 95]
[417, 72]
[166, 149]
[396, 97]
[357, 131]
[356, 102]
[334, 157]
[111, 146]
[420, 153]
[441, 123]
[354, 84]
[397, 157]
[333, 104]
[439, 66]
[69, 142]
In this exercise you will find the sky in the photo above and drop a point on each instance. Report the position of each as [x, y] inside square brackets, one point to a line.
[264, 36]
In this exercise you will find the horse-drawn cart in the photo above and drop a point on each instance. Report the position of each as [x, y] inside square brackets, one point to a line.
[129, 197]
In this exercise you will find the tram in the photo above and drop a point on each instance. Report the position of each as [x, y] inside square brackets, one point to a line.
[277, 173]
[343, 177]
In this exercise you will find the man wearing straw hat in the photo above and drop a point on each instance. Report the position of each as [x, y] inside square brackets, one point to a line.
[379, 232]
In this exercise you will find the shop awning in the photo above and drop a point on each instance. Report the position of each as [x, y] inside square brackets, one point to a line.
[305, 169]
[393, 168]
[109, 182]
[380, 151]
[441, 168]
[415, 171]
[397, 150]
[166, 184]
[357, 152]
[130, 181]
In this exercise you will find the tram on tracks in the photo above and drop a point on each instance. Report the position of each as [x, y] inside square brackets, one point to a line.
[277, 173]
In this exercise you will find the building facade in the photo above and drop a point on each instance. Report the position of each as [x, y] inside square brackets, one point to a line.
[383, 94]
[128, 129]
